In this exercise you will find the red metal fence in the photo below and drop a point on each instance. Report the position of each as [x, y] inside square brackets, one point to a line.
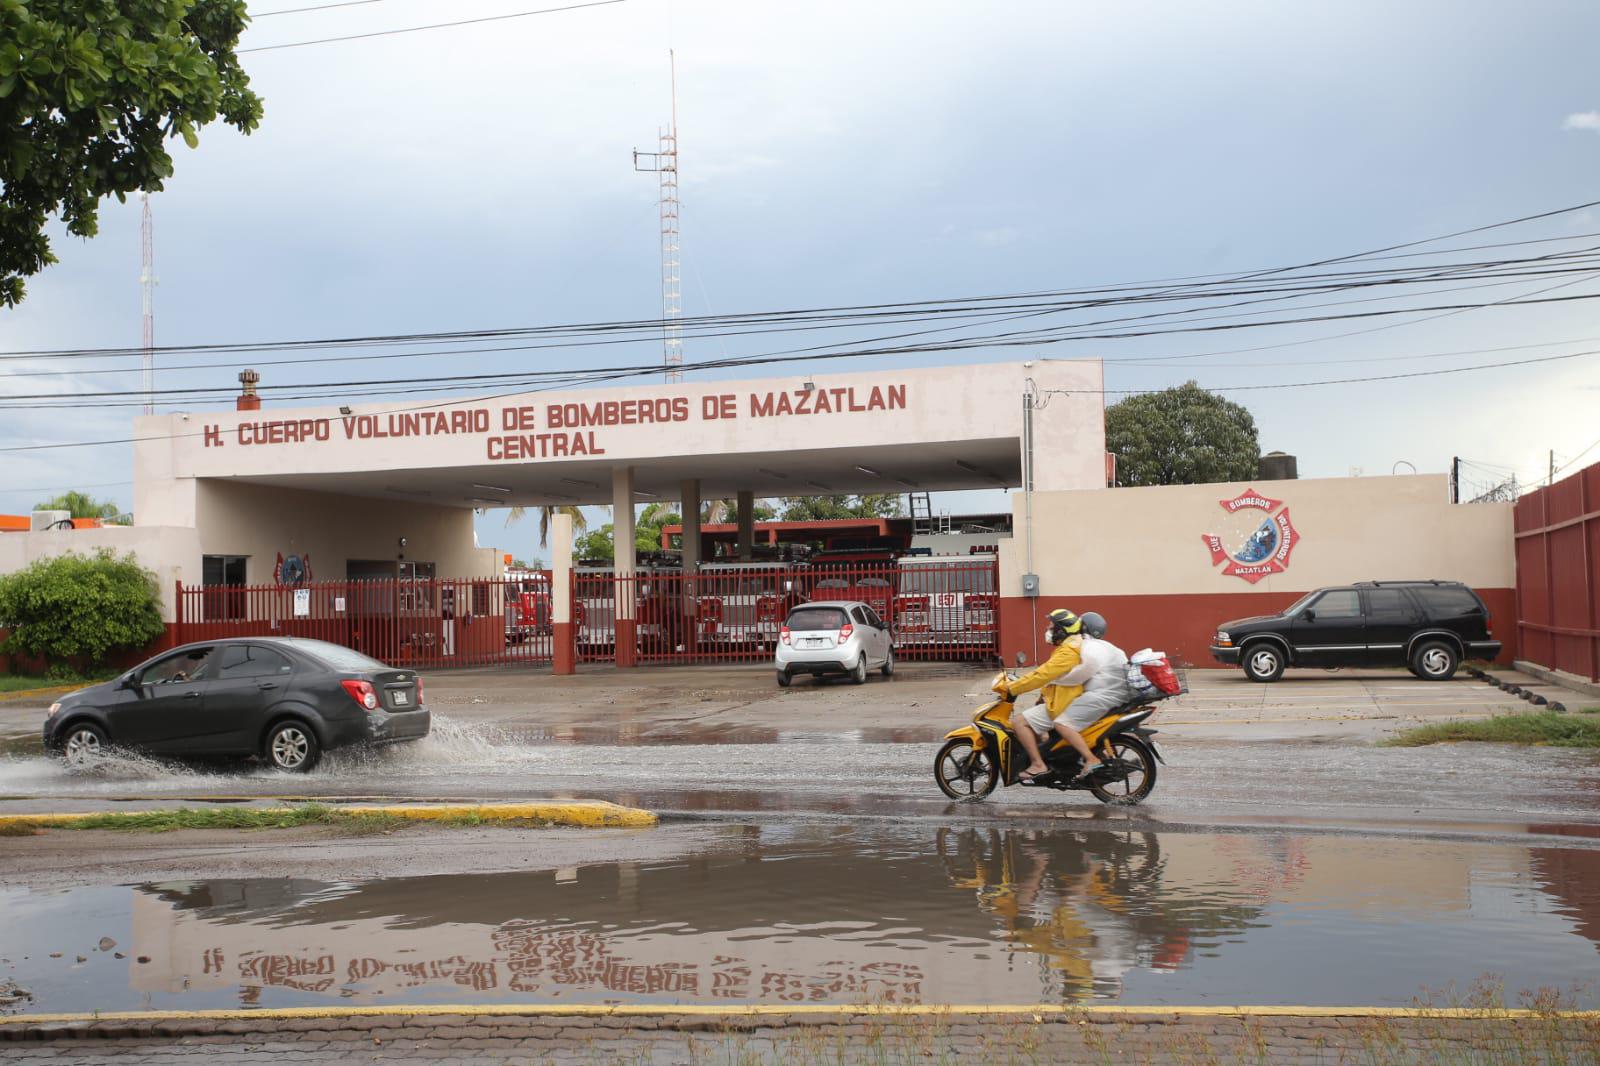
[421, 622]
[944, 609]
[936, 609]
[1558, 575]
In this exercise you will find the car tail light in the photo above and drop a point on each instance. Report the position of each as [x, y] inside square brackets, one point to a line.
[845, 631]
[783, 634]
[419, 691]
[362, 692]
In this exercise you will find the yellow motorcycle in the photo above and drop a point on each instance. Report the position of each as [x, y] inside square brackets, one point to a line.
[975, 759]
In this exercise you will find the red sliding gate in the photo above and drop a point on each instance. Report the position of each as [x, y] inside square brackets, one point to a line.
[421, 623]
[732, 613]
[1558, 575]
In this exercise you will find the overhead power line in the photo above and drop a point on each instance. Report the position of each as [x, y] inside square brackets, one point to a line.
[432, 26]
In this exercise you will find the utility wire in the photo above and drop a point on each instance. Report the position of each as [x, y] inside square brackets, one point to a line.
[433, 26]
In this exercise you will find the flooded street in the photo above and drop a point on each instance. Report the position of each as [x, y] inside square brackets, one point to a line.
[836, 914]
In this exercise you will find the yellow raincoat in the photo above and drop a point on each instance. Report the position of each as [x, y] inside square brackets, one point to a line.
[1055, 697]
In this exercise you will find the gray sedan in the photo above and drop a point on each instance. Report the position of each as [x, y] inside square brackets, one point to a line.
[284, 699]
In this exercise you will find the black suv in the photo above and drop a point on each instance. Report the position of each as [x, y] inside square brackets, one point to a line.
[1427, 626]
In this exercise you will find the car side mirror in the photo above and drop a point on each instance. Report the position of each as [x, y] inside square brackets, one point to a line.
[1311, 615]
[127, 681]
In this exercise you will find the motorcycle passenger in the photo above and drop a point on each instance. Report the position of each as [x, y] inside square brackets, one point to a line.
[1103, 673]
[1064, 633]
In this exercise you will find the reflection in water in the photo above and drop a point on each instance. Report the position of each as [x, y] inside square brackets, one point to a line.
[807, 914]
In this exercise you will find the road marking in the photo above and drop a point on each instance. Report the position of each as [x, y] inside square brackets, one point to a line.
[590, 814]
[695, 1010]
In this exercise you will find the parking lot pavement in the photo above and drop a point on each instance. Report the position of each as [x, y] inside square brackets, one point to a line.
[922, 701]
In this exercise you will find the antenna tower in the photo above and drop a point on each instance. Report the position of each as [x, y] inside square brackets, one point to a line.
[147, 282]
[664, 162]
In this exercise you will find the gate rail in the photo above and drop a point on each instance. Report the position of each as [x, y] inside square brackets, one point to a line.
[1558, 575]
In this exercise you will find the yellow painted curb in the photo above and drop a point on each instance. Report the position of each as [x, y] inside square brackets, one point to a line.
[52, 690]
[696, 1010]
[586, 814]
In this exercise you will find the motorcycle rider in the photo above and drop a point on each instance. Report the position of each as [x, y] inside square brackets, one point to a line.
[1103, 672]
[1064, 633]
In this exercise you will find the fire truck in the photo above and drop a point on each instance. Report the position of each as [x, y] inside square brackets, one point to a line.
[944, 600]
[744, 602]
[867, 574]
[528, 605]
[658, 579]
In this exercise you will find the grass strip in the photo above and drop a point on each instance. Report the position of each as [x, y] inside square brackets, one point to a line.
[259, 818]
[1542, 728]
[22, 684]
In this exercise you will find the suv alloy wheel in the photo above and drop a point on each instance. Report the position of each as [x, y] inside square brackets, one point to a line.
[1263, 662]
[1434, 660]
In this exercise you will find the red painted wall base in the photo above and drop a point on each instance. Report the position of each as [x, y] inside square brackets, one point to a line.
[1182, 626]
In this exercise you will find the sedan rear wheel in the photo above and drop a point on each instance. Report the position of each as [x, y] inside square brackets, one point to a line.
[292, 746]
[858, 676]
[888, 664]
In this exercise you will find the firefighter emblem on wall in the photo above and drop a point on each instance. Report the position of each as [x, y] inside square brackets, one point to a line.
[293, 570]
[1261, 538]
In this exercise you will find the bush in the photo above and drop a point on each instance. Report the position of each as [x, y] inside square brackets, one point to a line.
[77, 609]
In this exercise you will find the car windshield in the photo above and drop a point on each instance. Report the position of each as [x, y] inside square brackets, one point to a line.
[336, 656]
[813, 619]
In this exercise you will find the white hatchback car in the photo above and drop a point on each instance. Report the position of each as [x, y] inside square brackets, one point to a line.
[834, 637]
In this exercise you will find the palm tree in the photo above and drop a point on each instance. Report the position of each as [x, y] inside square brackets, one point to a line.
[579, 523]
[80, 505]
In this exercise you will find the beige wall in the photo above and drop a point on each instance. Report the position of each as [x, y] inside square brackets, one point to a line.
[173, 553]
[261, 521]
[1149, 541]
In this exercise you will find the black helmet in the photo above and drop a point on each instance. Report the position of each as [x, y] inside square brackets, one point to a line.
[1094, 624]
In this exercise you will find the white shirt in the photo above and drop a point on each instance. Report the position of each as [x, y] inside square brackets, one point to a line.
[1103, 665]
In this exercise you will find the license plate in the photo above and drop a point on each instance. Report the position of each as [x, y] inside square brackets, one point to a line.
[401, 699]
[815, 643]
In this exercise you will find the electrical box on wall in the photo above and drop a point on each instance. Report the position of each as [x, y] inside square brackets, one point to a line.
[1030, 584]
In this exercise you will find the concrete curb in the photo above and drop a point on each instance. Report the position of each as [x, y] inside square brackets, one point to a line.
[590, 814]
[51, 690]
[178, 1023]
[1557, 677]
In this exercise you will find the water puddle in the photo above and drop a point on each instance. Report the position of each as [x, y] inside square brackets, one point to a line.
[809, 914]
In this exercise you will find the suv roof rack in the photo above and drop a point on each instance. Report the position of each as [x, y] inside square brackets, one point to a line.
[1391, 584]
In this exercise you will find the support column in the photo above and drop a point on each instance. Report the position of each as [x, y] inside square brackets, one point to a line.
[565, 655]
[747, 524]
[626, 568]
[691, 526]
[691, 564]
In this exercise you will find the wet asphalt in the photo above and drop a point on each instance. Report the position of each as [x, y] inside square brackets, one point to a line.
[808, 857]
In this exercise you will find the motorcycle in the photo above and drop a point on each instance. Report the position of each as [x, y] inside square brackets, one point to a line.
[978, 758]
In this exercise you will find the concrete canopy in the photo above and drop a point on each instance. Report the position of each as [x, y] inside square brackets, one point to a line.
[936, 429]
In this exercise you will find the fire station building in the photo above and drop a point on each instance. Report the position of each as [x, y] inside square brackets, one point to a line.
[276, 520]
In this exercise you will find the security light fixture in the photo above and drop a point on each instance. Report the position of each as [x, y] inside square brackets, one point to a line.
[809, 386]
[344, 410]
[490, 488]
[647, 495]
[869, 470]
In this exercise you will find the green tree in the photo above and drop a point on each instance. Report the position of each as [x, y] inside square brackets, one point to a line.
[1181, 436]
[596, 544]
[90, 92]
[822, 508]
[647, 527]
[75, 609]
[80, 505]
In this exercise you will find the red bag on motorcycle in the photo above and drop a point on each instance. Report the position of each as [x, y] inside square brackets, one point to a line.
[1159, 672]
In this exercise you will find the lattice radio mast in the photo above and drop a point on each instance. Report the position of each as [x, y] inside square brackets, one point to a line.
[664, 162]
[147, 282]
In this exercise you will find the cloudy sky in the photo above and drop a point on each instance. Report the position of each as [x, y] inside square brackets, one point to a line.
[846, 153]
